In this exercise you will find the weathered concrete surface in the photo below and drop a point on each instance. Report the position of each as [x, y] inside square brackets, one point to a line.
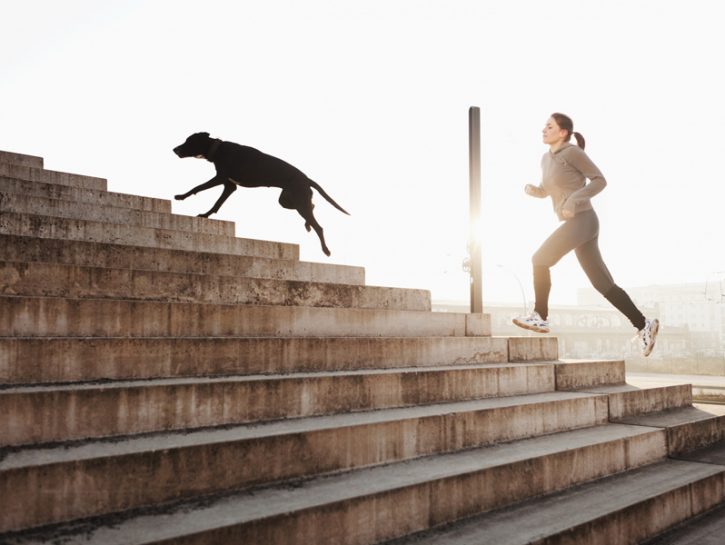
[582, 374]
[55, 280]
[57, 413]
[111, 233]
[624, 510]
[39, 486]
[533, 349]
[98, 212]
[709, 529]
[21, 159]
[31, 174]
[712, 454]
[627, 400]
[399, 498]
[688, 428]
[47, 360]
[76, 194]
[115, 256]
[51, 316]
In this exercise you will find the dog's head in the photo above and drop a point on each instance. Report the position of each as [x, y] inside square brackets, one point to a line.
[195, 146]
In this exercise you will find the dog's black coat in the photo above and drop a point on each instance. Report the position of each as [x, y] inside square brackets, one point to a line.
[249, 167]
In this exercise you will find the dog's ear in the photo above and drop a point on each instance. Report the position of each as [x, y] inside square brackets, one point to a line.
[204, 134]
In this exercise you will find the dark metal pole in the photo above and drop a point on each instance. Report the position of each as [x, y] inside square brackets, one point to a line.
[474, 239]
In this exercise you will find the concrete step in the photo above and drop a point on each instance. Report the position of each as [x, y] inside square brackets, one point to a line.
[687, 428]
[64, 360]
[21, 159]
[54, 280]
[33, 174]
[96, 212]
[60, 317]
[525, 349]
[586, 374]
[47, 227]
[44, 414]
[359, 507]
[622, 509]
[707, 529]
[114, 256]
[627, 400]
[75, 194]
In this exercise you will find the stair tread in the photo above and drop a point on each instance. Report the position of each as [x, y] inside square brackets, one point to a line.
[40, 455]
[538, 518]
[71, 209]
[205, 514]
[128, 256]
[35, 173]
[25, 187]
[154, 237]
[14, 158]
[155, 382]
[625, 388]
[675, 417]
[60, 269]
[106, 317]
[707, 529]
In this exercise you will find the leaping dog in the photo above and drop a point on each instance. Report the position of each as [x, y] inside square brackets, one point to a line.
[242, 165]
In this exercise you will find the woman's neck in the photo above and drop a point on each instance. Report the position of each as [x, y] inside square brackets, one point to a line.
[556, 146]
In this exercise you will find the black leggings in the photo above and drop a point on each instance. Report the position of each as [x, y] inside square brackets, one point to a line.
[581, 234]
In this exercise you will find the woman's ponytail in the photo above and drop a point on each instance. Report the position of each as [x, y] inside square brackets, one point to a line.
[565, 123]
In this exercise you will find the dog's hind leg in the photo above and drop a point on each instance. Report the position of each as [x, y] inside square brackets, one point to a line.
[287, 200]
[310, 221]
[290, 200]
[229, 188]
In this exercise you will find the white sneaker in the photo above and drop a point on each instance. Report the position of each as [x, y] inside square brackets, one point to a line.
[648, 336]
[532, 322]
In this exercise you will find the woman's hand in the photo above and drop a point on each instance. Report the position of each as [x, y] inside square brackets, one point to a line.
[568, 210]
[535, 191]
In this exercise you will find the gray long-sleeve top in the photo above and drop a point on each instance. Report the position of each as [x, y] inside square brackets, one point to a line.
[564, 174]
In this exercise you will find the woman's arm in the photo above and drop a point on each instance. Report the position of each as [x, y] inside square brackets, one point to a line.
[581, 161]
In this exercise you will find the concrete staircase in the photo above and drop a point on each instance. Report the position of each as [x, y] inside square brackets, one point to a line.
[162, 381]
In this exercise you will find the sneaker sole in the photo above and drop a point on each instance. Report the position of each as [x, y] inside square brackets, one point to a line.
[653, 333]
[524, 325]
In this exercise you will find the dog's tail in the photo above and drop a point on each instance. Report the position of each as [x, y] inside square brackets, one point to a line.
[329, 199]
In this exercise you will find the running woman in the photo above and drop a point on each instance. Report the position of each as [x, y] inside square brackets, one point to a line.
[565, 168]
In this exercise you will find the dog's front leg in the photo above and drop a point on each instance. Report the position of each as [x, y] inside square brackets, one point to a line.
[229, 188]
[216, 180]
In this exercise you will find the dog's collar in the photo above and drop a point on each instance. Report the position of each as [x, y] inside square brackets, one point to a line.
[213, 149]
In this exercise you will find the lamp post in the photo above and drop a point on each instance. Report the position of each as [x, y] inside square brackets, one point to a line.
[474, 238]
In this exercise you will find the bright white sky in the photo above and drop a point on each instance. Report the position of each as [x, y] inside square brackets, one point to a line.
[370, 99]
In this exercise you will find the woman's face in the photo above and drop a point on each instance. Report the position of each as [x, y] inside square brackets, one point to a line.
[552, 133]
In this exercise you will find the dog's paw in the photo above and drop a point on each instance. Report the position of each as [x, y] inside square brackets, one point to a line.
[179, 197]
[203, 215]
[307, 226]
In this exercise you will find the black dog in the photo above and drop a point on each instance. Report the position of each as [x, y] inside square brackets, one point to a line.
[248, 167]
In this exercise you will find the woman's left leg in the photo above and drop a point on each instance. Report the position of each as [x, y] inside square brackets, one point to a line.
[591, 261]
